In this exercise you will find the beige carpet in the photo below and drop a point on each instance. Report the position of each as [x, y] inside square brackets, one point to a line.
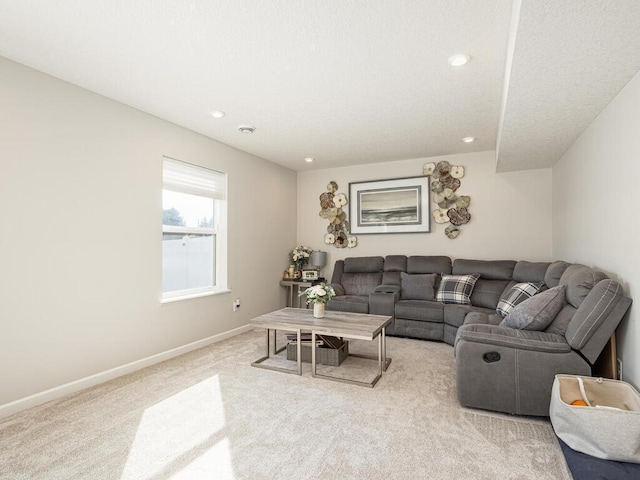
[210, 415]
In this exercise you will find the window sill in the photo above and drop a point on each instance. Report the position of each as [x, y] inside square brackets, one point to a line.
[193, 295]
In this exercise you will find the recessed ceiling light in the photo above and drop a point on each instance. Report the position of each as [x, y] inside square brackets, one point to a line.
[309, 159]
[246, 129]
[469, 139]
[217, 114]
[459, 59]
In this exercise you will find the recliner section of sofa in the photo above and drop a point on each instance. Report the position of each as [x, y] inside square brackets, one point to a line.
[353, 280]
[512, 371]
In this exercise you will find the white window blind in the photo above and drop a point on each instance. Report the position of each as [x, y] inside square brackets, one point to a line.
[186, 178]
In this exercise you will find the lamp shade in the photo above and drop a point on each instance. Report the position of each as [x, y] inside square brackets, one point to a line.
[318, 258]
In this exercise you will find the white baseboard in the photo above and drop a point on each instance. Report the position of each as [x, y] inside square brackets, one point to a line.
[72, 387]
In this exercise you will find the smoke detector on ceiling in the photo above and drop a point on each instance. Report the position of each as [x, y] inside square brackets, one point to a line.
[248, 129]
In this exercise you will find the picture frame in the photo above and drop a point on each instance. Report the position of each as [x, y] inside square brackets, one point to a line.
[396, 205]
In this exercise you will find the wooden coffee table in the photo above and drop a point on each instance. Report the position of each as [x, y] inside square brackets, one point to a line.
[358, 326]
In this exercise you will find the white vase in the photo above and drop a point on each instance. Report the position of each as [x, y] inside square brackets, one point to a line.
[318, 310]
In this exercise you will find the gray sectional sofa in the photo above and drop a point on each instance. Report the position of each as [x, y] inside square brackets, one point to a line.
[498, 367]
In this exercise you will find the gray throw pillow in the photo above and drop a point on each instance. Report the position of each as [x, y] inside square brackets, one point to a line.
[417, 286]
[537, 312]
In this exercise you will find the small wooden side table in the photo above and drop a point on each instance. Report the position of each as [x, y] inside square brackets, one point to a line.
[294, 288]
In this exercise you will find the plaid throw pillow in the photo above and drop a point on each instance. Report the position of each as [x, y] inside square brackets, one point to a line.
[457, 288]
[517, 294]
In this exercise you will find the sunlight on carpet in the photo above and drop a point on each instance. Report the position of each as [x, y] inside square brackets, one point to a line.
[177, 436]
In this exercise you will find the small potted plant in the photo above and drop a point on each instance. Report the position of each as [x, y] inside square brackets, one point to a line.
[317, 296]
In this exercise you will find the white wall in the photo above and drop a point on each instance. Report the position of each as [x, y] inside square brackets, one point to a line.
[510, 212]
[595, 195]
[80, 256]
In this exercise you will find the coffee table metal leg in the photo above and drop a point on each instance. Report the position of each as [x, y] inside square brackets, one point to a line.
[313, 353]
[380, 337]
[258, 363]
[385, 360]
[385, 363]
[277, 350]
[371, 384]
[299, 352]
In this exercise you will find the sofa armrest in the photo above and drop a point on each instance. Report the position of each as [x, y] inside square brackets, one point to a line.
[383, 303]
[387, 289]
[493, 335]
[339, 289]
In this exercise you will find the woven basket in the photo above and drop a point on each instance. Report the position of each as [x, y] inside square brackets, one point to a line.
[609, 428]
[324, 356]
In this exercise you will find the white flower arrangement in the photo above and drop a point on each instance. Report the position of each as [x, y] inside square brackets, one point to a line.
[300, 255]
[320, 293]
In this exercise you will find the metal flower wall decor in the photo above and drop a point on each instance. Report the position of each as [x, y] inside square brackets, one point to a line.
[331, 204]
[453, 208]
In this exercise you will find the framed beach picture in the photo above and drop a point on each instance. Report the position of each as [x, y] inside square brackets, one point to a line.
[397, 205]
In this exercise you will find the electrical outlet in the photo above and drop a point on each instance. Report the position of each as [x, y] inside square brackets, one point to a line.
[236, 305]
[619, 365]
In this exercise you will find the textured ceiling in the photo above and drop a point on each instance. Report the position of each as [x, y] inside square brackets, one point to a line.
[345, 81]
[570, 58]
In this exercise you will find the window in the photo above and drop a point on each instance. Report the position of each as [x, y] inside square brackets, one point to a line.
[193, 230]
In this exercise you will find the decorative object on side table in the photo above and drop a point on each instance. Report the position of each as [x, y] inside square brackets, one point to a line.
[317, 261]
[317, 296]
[300, 256]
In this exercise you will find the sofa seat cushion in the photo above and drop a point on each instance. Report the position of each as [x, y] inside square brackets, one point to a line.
[422, 310]
[512, 338]
[454, 315]
[417, 329]
[349, 303]
[482, 318]
[487, 293]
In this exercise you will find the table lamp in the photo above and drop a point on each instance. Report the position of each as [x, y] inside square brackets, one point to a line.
[318, 259]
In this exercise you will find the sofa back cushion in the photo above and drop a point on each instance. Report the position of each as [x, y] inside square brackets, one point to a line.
[488, 269]
[561, 322]
[360, 283]
[429, 264]
[530, 272]
[495, 276]
[554, 273]
[394, 265]
[419, 286]
[363, 264]
[487, 293]
[579, 281]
